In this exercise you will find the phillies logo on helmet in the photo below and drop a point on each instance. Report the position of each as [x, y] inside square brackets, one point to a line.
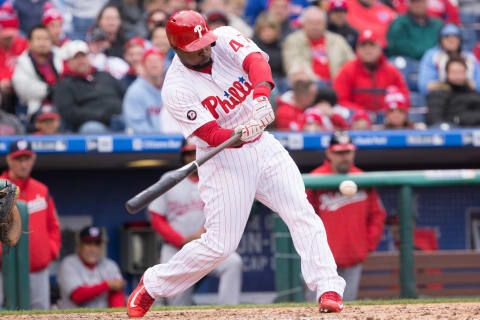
[198, 28]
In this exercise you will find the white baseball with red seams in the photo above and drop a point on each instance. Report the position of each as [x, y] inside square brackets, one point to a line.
[232, 180]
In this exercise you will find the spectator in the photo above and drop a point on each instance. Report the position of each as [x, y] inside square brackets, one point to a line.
[337, 21]
[370, 15]
[110, 22]
[46, 120]
[476, 51]
[97, 41]
[88, 280]
[354, 224]
[43, 225]
[37, 70]
[178, 217]
[360, 121]
[142, 107]
[415, 27]
[223, 10]
[216, 18]
[133, 17]
[361, 83]
[159, 40]
[30, 13]
[455, 100]
[267, 37]
[255, 7]
[89, 101]
[315, 49]
[10, 126]
[172, 6]
[396, 115]
[53, 21]
[280, 9]
[11, 46]
[432, 66]
[307, 107]
[134, 50]
[445, 10]
[155, 18]
[83, 13]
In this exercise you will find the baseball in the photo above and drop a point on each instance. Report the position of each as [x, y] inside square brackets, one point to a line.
[348, 188]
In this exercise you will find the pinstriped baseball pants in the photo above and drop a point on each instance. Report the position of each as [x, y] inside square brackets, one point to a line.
[228, 185]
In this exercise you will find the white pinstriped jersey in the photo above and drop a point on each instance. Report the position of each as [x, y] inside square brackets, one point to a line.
[194, 98]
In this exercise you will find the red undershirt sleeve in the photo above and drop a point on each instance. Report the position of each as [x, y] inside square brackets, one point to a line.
[86, 293]
[258, 71]
[161, 225]
[116, 299]
[213, 134]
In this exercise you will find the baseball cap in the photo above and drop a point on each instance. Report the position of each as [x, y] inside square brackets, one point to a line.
[216, 15]
[135, 41]
[50, 15]
[72, 48]
[47, 111]
[96, 34]
[9, 22]
[338, 5]
[394, 99]
[361, 114]
[152, 51]
[341, 141]
[91, 233]
[368, 36]
[19, 148]
[449, 30]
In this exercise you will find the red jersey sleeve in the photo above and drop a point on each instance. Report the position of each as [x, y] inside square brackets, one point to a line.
[86, 293]
[258, 71]
[213, 134]
[375, 220]
[55, 238]
[161, 225]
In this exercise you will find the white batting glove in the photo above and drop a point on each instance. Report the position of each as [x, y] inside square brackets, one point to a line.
[250, 130]
[263, 111]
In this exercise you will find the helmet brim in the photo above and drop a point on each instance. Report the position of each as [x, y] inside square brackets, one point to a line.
[205, 40]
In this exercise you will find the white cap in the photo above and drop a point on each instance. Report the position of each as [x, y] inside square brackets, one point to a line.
[71, 48]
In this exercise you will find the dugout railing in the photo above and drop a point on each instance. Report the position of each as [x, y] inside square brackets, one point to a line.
[397, 274]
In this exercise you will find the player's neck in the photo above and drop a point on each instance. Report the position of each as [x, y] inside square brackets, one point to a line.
[205, 68]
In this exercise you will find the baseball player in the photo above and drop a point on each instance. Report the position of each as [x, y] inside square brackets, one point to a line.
[88, 280]
[218, 85]
[178, 217]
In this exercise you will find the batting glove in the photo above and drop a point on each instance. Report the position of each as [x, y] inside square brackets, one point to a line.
[263, 111]
[250, 130]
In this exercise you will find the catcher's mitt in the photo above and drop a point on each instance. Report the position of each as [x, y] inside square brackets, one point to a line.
[10, 221]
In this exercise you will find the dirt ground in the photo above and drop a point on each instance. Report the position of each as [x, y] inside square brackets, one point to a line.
[457, 311]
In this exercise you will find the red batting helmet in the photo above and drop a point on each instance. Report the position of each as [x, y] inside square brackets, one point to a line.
[189, 31]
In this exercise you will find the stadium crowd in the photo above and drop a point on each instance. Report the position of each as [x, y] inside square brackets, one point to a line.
[98, 66]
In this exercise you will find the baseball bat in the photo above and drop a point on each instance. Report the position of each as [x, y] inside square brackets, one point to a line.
[170, 179]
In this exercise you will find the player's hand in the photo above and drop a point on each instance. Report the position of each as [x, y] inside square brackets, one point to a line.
[263, 111]
[116, 284]
[250, 130]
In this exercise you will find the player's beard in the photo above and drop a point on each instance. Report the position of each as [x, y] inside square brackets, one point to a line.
[203, 65]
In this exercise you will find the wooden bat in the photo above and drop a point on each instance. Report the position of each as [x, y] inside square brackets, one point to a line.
[170, 179]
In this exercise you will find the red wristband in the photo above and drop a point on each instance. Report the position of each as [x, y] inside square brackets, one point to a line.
[261, 90]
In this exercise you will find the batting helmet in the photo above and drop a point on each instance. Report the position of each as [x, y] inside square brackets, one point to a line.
[189, 31]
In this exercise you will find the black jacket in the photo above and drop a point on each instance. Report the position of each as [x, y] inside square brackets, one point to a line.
[274, 52]
[347, 32]
[80, 100]
[453, 104]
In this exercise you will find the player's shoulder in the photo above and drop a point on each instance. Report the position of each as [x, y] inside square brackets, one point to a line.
[176, 78]
[71, 260]
[107, 264]
[37, 185]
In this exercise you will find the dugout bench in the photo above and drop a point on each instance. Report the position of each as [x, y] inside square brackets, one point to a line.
[446, 273]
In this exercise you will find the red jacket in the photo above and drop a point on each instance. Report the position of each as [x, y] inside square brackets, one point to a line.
[359, 88]
[8, 57]
[376, 18]
[354, 224]
[44, 228]
[476, 51]
[445, 10]
[289, 117]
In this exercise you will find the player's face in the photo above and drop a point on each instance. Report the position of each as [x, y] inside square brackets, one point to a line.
[195, 58]
[341, 161]
[90, 251]
[20, 167]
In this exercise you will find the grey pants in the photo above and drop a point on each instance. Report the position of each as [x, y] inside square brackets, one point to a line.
[39, 289]
[352, 277]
